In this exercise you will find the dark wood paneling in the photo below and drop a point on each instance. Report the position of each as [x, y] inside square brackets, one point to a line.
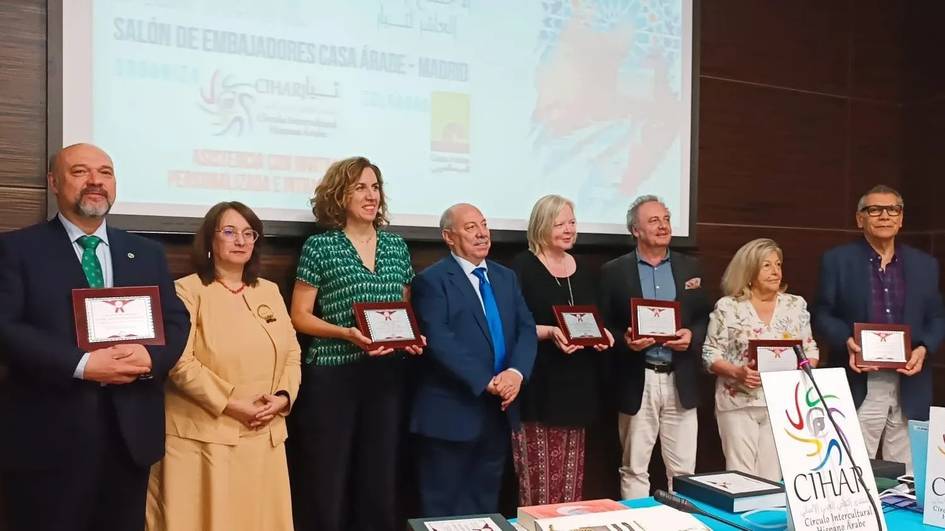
[770, 157]
[798, 44]
[876, 149]
[21, 207]
[923, 45]
[23, 93]
[877, 57]
[802, 251]
[925, 166]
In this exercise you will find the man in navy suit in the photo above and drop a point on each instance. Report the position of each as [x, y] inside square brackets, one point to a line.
[81, 429]
[878, 280]
[480, 347]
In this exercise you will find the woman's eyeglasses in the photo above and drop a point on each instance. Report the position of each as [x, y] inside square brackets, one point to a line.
[229, 232]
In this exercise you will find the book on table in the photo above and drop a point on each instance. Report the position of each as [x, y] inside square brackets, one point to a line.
[528, 515]
[732, 491]
[658, 518]
[471, 522]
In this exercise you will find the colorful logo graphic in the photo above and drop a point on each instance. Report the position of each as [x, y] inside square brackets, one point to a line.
[449, 122]
[228, 103]
[811, 428]
[940, 448]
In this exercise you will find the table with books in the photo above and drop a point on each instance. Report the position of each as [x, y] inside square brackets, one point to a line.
[772, 520]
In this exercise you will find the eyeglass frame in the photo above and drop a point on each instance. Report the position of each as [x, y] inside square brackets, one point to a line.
[252, 238]
[883, 208]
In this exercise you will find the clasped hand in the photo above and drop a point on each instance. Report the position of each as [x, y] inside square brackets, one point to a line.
[506, 385]
[256, 412]
[118, 364]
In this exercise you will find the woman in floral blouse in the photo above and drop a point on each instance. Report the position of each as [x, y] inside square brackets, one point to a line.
[755, 306]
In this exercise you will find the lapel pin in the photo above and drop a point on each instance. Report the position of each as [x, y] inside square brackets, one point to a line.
[131, 255]
[265, 312]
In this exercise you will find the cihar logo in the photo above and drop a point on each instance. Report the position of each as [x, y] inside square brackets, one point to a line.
[228, 103]
[810, 428]
[941, 449]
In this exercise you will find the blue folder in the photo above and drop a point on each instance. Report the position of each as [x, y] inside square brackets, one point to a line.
[919, 441]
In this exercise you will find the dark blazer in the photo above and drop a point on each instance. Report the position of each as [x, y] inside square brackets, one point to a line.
[843, 298]
[620, 281]
[49, 413]
[457, 365]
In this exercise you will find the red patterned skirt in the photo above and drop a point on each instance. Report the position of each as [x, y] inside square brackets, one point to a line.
[549, 463]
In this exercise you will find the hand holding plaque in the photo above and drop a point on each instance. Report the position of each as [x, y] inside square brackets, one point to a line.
[581, 325]
[655, 319]
[388, 324]
[883, 346]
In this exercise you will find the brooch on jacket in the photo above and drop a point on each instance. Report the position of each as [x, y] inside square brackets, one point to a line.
[265, 312]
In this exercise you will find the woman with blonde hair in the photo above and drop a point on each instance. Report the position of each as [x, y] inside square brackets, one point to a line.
[348, 423]
[562, 396]
[754, 306]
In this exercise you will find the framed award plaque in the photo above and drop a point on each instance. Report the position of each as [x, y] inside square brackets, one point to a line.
[388, 324]
[582, 325]
[884, 346]
[654, 318]
[110, 316]
[773, 354]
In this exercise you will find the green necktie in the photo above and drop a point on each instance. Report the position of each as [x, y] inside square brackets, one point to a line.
[90, 264]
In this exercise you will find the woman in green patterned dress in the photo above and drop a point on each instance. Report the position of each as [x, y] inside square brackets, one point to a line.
[348, 423]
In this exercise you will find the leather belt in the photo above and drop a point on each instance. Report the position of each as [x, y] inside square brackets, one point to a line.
[663, 368]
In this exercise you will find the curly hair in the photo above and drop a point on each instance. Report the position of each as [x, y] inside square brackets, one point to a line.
[333, 192]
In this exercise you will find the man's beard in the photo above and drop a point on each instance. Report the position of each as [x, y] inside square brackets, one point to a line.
[93, 210]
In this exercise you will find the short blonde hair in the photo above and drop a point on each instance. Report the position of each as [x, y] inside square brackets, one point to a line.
[542, 221]
[745, 265]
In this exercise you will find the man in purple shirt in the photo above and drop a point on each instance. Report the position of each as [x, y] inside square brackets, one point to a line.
[877, 280]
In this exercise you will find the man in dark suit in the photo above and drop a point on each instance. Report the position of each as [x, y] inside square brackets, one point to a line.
[480, 347]
[878, 280]
[81, 428]
[657, 385]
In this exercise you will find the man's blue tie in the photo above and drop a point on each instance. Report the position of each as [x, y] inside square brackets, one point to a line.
[493, 318]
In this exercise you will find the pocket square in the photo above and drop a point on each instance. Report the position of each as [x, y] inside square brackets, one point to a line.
[693, 283]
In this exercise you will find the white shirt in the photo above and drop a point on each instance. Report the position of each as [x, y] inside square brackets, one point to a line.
[104, 256]
[468, 268]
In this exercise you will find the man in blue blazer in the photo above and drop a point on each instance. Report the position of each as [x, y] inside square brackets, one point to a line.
[81, 428]
[877, 280]
[480, 347]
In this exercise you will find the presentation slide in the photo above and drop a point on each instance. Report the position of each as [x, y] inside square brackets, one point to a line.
[490, 102]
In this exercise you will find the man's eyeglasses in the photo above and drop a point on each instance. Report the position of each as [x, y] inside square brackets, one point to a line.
[229, 232]
[874, 211]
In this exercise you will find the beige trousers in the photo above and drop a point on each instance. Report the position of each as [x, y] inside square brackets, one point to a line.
[881, 417]
[748, 442]
[660, 415]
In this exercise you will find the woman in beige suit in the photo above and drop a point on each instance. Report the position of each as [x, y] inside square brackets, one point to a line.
[225, 465]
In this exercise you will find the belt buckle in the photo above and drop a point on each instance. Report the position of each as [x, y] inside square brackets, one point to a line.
[660, 368]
